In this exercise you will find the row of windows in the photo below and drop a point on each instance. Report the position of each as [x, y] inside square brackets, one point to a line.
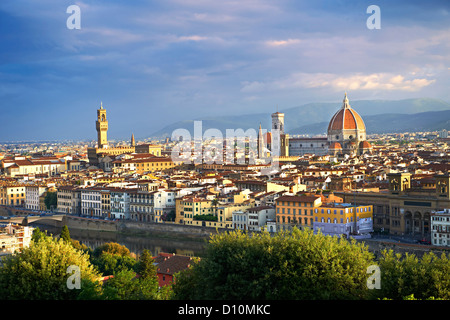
[90, 197]
[358, 210]
[154, 164]
[283, 219]
[293, 204]
[294, 211]
[440, 219]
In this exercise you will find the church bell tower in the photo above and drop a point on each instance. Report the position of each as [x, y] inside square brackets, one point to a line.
[102, 127]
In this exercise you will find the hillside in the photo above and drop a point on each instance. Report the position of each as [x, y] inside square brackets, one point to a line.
[380, 116]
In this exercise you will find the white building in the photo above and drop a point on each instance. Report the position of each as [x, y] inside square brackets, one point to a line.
[258, 216]
[91, 202]
[32, 195]
[14, 237]
[440, 228]
[120, 203]
[240, 220]
[163, 202]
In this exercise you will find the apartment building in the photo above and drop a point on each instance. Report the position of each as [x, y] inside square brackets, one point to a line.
[33, 197]
[296, 211]
[14, 237]
[69, 199]
[91, 202]
[440, 227]
[343, 219]
[163, 203]
[258, 217]
[142, 206]
[253, 219]
[120, 202]
[12, 194]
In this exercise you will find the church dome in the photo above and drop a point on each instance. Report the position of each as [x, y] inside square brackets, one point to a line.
[346, 119]
[335, 145]
[365, 145]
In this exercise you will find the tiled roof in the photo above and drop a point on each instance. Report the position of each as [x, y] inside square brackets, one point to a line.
[171, 263]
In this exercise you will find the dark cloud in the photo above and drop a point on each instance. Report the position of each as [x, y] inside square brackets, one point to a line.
[156, 62]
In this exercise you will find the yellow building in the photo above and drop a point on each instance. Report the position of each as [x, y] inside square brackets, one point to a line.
[343, 219]
[329, 214]
[201, 212]
[189, 206]
[12, 195]
[296, 211]
[144, 165]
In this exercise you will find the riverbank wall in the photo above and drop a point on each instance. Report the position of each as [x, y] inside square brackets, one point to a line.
[139, 228]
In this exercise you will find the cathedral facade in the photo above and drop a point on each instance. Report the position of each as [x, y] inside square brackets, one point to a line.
[346, 135]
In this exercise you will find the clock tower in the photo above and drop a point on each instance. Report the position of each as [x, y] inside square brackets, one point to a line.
[102, 127]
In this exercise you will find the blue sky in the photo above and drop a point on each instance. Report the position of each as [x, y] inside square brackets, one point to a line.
[152, 63]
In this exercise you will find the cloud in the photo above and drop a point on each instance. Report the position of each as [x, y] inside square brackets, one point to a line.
[278, 43]
[354, 82]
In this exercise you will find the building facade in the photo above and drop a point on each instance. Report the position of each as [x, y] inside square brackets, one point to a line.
[343, 219]
[440, 228]
[403, 209]
[33, 197]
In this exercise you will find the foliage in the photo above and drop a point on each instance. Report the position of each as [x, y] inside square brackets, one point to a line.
[296, 265]
[40, 271]
[145, 267]
[112, 248]
[51, 200]
[38, 234]
[65, 234]
[126, 286]
[205, 217]
[409, 276]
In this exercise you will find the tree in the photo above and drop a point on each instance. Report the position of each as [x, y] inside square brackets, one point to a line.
[109, 263]
[65, 234]
[40, 271]
[112, 257]
[51, 200]
[406, 275]
[113, 248]
[38, 234]
[288, 265]
[145, 267]
[126, 286]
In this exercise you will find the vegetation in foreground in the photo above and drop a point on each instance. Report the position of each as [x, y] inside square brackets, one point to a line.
[289, 265]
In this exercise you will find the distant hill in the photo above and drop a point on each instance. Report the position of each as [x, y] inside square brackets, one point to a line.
[390, 123]
[380, 116]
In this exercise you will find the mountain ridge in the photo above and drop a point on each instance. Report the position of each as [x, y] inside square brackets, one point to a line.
[313, 118]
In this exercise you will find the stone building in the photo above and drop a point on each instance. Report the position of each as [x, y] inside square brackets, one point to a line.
[103, 154]
[403, 209]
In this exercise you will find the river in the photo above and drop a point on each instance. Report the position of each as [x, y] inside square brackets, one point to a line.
[136, 244]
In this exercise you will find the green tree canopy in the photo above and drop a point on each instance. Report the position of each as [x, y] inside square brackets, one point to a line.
[112, 248]
[145, 267]
[406, 275]
[65, 234]
[124, 285]
[51, 200]
[40, 271]
[295, 265]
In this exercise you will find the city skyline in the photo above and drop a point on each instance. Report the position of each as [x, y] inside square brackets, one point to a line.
[155, 63]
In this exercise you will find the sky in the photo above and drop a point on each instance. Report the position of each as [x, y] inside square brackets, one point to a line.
[152, 63]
